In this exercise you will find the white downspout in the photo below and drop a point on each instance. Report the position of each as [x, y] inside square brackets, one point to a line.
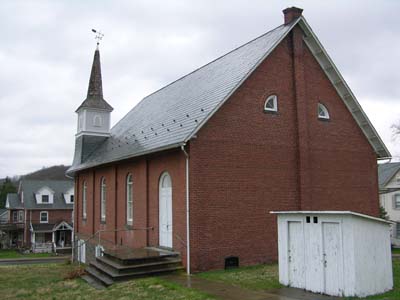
[187, 211]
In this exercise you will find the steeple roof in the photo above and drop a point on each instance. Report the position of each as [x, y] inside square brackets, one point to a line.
[94, 97]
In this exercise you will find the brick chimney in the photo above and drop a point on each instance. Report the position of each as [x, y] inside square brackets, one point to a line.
[291, 14]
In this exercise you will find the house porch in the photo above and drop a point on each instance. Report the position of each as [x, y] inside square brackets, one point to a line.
[51, 237]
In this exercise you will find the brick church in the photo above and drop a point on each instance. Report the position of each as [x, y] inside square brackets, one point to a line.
[197, 166]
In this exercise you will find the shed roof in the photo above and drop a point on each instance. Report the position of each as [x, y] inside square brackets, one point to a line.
[329, 212]
[172, 115]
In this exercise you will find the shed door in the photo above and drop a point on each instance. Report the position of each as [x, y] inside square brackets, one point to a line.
[296, 254]
[332, 258]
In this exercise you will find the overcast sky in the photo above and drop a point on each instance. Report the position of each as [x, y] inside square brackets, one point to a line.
[46, 51]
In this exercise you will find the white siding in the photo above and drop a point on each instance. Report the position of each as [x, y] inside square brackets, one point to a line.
[386, 201]
[344, 254]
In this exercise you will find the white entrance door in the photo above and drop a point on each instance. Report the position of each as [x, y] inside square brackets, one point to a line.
[331, 258]
[165, 211]
[82, 251]
[296, 254]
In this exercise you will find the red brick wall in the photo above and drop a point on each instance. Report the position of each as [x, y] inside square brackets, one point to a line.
[146, 172]
[245, 163]
[54, 216]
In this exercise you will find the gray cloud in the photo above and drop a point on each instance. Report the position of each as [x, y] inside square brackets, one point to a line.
[46, 52]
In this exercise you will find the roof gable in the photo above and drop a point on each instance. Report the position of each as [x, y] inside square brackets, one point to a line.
[386, 172]
[173, 115]
[44, 190]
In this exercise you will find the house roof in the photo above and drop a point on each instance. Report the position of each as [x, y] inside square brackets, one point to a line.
[171, 116]
[386, 173]
[13, 201]
[3, 211]
[42, 227]
[30, 187]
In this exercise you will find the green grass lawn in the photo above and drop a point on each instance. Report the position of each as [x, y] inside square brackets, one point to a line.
[396, 250]
[260, 277]
[265, 277]
[4, 254]
[47, 282]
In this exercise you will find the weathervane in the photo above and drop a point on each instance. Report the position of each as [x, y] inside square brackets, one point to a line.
[98, 37]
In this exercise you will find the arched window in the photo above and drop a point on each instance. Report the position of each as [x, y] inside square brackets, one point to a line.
[165, 211]
[129, 199]
[323, 112]
[97, 121]
[103, 196]
[84, 201]
[166, 181]
[271, 104]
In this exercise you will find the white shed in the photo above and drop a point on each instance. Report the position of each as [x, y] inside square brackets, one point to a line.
[338, 253]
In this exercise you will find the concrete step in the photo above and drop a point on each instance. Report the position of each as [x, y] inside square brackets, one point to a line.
[93, 282]
[138, 256]
[99, 276]
[134, 273]
[123, 268]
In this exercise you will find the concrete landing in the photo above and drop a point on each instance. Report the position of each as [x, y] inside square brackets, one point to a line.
[229, 292]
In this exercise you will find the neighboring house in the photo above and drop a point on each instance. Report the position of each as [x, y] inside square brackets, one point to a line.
[389, 195]
[3, 220]
[198, 165]
[40, 215]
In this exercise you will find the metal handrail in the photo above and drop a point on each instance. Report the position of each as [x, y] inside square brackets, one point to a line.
[98, 232]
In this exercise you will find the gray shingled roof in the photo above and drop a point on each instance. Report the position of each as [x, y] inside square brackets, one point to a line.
[169, 116]
[42, 227]
[13, 201]
[386, 172]
[30, 187]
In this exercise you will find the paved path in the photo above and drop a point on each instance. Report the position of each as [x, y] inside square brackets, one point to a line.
[225, 291]
[34, 260]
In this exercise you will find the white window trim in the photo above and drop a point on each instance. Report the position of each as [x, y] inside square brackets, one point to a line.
[48, 198]
[47, 217]
[103, 199]
[274, 99]
[129, 202]
[20, 216]
[97, 121]
[84, 201]
[325, 110]
[43, 192]
[394, 202]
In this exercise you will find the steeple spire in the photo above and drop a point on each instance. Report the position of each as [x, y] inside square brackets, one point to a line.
[94, 98]
[95, 88]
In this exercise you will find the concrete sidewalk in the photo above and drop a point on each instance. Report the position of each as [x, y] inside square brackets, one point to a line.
[229, 292]
[34, 260]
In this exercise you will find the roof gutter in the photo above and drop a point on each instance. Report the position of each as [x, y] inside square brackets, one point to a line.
[187, 209]
[71, 171]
